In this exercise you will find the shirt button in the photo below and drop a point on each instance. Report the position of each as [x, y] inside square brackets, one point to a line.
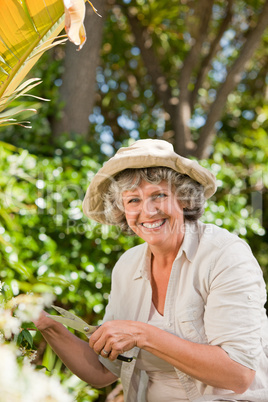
[170, 324]
[249, 297]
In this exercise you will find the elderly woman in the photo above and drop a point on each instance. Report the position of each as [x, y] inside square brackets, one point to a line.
[187, 303]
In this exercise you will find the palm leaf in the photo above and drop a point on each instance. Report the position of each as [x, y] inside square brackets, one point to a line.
[27, 29]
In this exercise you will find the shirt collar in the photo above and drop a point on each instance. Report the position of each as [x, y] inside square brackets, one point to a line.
[190, 242]
[144, 267]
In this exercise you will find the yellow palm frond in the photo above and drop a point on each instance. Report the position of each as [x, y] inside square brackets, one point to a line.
[27, 29]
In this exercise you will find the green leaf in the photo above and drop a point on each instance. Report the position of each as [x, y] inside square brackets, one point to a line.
[25, 339]
[29, 326]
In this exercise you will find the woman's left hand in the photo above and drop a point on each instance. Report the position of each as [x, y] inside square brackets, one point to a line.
[114, 338]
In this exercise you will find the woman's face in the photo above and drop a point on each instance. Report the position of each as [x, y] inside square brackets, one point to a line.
[154, 214]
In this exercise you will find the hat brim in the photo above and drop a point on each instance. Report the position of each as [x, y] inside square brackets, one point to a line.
[127, 158]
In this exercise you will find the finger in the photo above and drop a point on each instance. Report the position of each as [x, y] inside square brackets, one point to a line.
[105, 353]
[106, 349]
[99, 344]
[95, 337]
[113, 355]
[115, 350]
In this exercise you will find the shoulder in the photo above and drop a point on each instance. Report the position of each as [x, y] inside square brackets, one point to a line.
[226, 254]
[221, 251]
[214, 233]
[134, 254]
[134, 251]
[220, 239]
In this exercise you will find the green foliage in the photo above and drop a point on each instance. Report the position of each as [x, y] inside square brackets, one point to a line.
[46, 242]
[127, 103]
[17, 350]
[47, 245]
[25, 339]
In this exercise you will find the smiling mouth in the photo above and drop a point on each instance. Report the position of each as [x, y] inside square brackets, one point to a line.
[154, 225]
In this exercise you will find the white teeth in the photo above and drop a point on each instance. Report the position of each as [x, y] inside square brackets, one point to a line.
[153, 225]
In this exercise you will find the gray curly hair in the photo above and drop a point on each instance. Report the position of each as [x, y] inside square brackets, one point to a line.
[189, 193]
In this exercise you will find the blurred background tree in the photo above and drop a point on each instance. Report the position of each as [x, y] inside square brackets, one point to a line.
[191, 72]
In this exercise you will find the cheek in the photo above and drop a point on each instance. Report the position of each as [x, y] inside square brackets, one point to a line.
[177, 205]
[131, 218]
[172, 207]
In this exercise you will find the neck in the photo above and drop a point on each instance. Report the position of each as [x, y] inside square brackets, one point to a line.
[165, 256]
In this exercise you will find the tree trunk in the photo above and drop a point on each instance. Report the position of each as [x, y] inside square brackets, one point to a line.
[181, 107]
[233, 77]
[79, 77]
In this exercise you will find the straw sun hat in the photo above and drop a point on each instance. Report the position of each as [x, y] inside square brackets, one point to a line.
[141, 154]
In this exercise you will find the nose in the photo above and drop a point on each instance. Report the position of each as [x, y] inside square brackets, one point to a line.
[149, 207]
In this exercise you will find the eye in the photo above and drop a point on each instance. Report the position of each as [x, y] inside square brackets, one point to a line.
[133, 200]
[160, 196]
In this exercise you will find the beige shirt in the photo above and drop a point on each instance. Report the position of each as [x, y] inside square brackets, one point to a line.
[215, 296]
[163, 383]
